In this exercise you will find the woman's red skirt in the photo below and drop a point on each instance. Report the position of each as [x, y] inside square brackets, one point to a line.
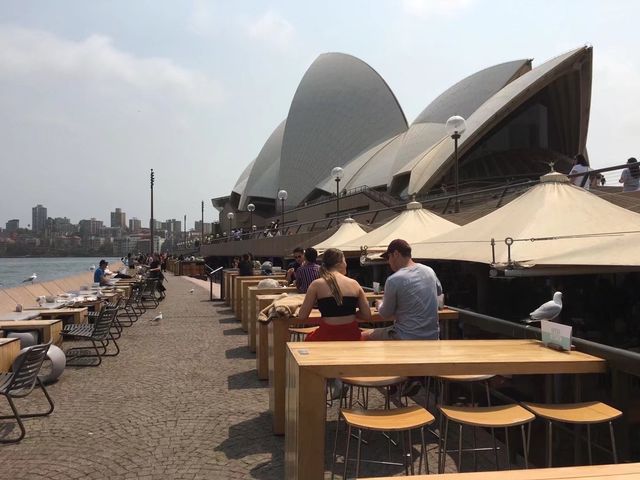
[330, 333]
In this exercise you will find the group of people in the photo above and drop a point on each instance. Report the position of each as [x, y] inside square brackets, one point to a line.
[630, 177]
[410, 299]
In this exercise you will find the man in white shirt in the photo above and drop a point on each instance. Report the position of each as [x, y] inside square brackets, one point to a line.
[580, 165]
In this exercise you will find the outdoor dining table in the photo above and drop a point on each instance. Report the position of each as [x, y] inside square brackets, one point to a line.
[48, 329]
[310, 364]
[9, 348]
[17, 316]
[621, 471]
[278, 336]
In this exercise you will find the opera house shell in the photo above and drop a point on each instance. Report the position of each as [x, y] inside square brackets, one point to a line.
[519, 119]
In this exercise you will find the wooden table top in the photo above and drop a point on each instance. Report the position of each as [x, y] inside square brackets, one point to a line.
[7, 316]
[626, 471]
[440, 357]
[28, 323]
[4, 341]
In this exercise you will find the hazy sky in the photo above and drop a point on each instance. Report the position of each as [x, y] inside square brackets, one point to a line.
[95, 93]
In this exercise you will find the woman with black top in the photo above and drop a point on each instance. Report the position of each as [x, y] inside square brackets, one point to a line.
[338, 298]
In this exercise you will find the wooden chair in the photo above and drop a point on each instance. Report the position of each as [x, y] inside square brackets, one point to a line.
[402, 420]
[502, 416]
[585, 413]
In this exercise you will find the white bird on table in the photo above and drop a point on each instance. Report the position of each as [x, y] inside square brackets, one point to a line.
[31, 278]
[191, 291]
[156, 320]
[547, 311]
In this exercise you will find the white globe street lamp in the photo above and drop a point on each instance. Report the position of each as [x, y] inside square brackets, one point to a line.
[337, 173]
[251, 208]
[282, 195]
[230, 216]
[455, 127]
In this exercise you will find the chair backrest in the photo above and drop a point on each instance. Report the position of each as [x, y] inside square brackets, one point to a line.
[26, 367]
[103, 323]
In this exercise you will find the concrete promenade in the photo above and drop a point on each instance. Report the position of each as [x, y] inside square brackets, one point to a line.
[181, 401]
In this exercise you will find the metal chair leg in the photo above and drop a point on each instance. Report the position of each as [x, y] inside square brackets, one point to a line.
[442, 452]
[613, 443]
[346, 453]
[335, 446]
[525, 447]
[589, 444]
[549, 443]
[506, 441]
[459, 448]
[16, 415]
[358, 453]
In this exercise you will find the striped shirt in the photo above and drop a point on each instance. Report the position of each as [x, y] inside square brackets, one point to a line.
[306, 274]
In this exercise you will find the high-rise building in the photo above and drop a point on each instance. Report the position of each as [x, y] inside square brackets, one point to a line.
[118, 219]
[38, 219]
[207, 227]
[135, 225]
[90, 227]
[13, 225]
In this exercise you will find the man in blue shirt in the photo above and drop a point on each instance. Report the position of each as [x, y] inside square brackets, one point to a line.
[99, 275]
[410, 298]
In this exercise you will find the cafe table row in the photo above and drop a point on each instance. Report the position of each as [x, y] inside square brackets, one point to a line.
[310, 364]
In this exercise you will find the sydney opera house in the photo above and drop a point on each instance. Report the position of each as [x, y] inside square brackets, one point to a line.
[519, 118]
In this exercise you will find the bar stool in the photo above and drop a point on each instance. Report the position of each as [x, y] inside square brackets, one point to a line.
[298, 334]
[365, 383]
[502, 416]
[402, 420]
[585, 413]
[484, 379]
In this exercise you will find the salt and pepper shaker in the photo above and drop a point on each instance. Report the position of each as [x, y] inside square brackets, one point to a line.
[18, 307]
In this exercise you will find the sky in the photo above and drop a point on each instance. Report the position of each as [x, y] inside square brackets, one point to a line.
[95, 94]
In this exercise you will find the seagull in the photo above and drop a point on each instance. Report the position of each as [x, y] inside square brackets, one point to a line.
[191, 291]
[548, 310]
[156, 320]
[92, 268]
[31, 278]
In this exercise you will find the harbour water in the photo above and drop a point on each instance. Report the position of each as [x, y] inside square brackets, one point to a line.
[14, 270]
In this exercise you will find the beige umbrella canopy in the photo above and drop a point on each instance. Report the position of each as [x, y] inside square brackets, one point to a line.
[348, 231]
[413, 225]
[554, 224]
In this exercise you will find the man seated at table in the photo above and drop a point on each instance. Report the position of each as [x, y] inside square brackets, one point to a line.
[99, 276]
[410, 298]
[308, 271]
[298, 259]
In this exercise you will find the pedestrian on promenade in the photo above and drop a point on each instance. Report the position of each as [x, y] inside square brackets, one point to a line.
[630, 177]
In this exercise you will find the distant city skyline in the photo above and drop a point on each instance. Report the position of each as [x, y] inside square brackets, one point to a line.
[195, 90]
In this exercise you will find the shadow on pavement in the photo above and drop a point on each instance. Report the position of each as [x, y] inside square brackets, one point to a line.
[234, 331]
[245, 380]
[239, 352]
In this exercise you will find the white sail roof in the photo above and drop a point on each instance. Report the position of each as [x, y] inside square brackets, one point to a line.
[413, 225]
[553, 224]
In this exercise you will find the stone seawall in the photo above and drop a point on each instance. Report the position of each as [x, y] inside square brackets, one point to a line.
[27, 294]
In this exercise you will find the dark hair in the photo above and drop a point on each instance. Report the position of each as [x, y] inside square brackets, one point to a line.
[580, 160]
[634, 170]
[331, 258]
[310, 254]
[245, 257]
[298, 250]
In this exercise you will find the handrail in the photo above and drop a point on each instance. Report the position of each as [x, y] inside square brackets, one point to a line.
[618, 358]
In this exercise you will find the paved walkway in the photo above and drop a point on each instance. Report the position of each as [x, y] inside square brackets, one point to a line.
[182, 401]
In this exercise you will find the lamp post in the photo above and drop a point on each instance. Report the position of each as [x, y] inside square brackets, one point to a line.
[282, 195]
[251, 208]
[152, 180]
[230, 216]
[202, 224]
[455, 127]
[337, 174]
